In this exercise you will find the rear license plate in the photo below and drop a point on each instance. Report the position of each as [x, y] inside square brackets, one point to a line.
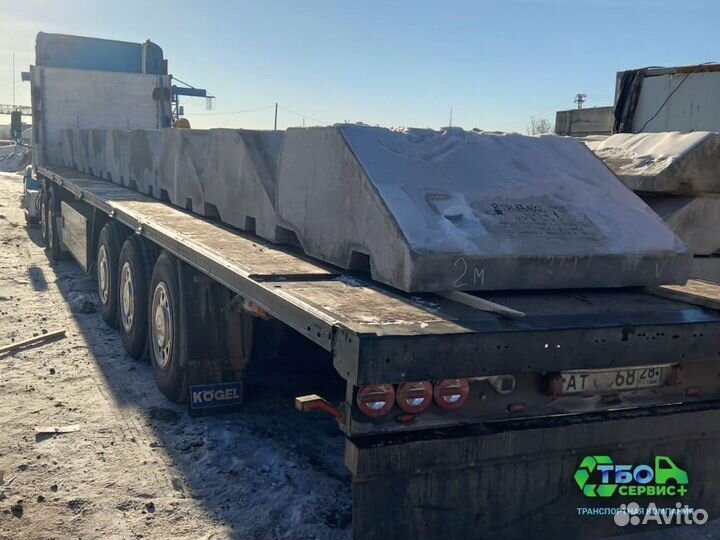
[591, 381]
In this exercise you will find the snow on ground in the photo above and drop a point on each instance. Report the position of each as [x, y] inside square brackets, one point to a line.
[14, 157]
[139, 467]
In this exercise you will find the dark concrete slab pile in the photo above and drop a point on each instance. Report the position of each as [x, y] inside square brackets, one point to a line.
[423, 210]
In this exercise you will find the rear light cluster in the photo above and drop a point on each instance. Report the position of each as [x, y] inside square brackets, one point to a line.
[376, 400]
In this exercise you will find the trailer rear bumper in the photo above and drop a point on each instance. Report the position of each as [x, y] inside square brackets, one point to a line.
[516, 481]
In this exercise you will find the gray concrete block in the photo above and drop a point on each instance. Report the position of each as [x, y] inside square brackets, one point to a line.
[183, 164]
[438, 211]
[696, 220]
[117, 155]
[75, 146]
[145, 153]
[97, 161]
[226, 174]
[671, 162]
[706, 268]
[242, 177]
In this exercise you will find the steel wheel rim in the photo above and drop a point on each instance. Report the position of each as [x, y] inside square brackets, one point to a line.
[127, 297]
[162, 326]
[103, 270]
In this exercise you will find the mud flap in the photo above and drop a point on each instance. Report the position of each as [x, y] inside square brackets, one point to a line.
[518, 481]
[212, 391]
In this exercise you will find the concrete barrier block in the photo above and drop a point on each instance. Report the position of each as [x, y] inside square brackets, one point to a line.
[696, 220]
[145, 153]
[241, 183]
[670, 162]
[448, 210]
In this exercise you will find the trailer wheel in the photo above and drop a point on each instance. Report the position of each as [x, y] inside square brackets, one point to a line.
[30, 220]
[44, 216]
[52, 243]
[108, 252]
[168, 332]
[133, 265]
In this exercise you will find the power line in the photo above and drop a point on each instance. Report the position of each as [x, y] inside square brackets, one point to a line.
[303, 115]
[319, 121]
[231, 112]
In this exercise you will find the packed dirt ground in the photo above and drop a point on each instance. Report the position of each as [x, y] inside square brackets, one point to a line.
[138, 466]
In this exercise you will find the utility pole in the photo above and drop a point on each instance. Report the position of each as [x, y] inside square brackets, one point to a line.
[276, 116]
[450, 116]
[13, 80]
[580, 99]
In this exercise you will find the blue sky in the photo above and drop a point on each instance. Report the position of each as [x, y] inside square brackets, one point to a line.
[495, 62]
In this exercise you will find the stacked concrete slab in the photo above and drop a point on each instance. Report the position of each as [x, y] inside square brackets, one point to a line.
[678, 175]
[423, 210]
[666, 163]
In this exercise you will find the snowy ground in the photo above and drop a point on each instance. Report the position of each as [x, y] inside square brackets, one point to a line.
[139, 467]
[14, 158]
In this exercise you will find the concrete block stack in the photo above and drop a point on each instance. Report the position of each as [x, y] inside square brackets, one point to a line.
[421, 210]
[678, 175]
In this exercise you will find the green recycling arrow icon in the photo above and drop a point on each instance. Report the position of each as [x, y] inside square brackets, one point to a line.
[582, 475]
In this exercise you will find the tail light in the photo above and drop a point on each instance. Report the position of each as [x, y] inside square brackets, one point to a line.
[414, 397]
[451, 394]
[375, 400]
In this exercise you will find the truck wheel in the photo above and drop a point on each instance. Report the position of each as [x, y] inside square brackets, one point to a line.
[168, 332]
[30, 220]
[108, 252]
[52, 244]
[133, 264]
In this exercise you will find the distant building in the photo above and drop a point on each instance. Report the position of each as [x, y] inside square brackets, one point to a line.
[584, 122]
[685, 98]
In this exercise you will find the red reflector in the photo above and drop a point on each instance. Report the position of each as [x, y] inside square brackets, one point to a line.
[517, 407]
[414, 397]
[553, 384]
[375, 400]
[677, 375]
[451, 394]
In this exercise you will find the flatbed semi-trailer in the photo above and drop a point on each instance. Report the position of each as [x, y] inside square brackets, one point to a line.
[459, 422]
[424, 467]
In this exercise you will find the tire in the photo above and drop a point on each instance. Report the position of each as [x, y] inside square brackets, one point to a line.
[30, 220]
[108, 253]
[44, 216]
[133, 280]
[168, 334]
[52, 244]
